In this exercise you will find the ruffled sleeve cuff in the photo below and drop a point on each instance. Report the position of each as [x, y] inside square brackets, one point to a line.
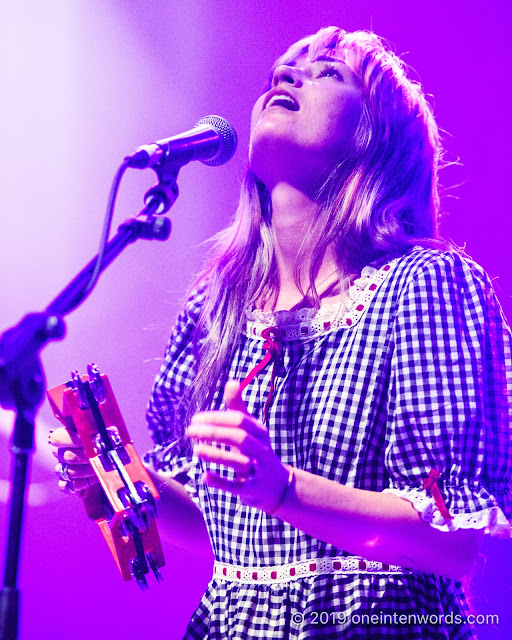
[492, 519]
[164, 460]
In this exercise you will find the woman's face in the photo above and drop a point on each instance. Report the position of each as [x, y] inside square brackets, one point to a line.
[307, 119]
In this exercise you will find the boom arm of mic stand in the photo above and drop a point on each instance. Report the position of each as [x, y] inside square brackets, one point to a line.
[22, 384]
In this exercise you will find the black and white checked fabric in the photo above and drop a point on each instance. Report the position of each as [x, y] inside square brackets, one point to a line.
[423, 380]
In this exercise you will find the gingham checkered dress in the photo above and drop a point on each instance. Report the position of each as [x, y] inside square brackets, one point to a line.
[415, 375]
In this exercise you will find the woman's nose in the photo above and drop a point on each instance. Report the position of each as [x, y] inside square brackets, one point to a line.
[284, 73]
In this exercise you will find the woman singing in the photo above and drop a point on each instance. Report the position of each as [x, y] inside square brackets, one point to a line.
[334, 406]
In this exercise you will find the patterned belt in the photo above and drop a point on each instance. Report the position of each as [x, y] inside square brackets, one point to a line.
[296, 570]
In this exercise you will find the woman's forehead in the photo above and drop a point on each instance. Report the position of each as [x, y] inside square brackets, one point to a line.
[330, 40]
[313, 48]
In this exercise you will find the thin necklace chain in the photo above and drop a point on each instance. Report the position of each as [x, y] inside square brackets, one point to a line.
[317, 286]
[325, 279]
[309, 289]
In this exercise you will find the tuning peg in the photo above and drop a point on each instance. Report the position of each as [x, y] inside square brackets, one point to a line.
[96, 382]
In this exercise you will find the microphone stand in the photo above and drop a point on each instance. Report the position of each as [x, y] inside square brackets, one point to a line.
[22, 382]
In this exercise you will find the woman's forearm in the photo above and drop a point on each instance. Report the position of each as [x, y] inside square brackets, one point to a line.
[180, 522]
[376, 526]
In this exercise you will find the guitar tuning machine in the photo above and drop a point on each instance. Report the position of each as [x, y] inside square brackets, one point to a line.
[97, 385]
[78, 387]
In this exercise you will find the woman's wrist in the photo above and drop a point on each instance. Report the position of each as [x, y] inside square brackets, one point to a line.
[286, 489]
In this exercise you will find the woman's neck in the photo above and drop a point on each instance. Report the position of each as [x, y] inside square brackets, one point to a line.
[292, 213]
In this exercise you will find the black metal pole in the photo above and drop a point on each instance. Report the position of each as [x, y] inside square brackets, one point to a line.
[75, 292]
[22, 447]
[22, 381]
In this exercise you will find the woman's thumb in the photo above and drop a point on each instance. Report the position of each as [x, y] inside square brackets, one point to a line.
[233, 397]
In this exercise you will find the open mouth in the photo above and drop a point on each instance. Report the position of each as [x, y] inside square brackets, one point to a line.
[282, 100]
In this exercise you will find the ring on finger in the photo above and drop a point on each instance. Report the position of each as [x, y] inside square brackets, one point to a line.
[242, 478]
[62, 471]
[69, 487]
[253, 467]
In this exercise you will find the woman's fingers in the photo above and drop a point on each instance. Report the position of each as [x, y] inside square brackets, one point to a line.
[217, 482]
[69, 447]
[75, 478]
[71, 456]
[63, 437]
[240, 463]
[74, 471]
[227, 419]
[77, 486]
[231, 436]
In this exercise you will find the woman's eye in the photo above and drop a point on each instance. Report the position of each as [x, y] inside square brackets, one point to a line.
[330, 72]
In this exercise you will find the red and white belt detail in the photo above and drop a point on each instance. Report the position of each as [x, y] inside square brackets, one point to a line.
[296, 570]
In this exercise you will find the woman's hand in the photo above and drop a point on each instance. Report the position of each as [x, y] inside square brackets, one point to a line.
[75, 472]
[261, 478]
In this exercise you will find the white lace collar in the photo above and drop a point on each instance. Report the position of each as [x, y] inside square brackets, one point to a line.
[308, 323]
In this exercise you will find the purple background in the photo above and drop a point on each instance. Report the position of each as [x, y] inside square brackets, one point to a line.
[85, 82]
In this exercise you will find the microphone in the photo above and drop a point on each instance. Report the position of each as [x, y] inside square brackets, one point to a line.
[212, 141]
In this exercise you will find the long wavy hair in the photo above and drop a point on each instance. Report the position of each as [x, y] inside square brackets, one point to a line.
[375, 203]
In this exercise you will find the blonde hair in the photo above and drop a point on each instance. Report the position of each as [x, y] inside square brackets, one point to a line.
[376, 202]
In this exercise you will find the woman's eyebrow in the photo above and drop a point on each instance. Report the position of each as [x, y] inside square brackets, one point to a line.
[323, 57]
[327, 58]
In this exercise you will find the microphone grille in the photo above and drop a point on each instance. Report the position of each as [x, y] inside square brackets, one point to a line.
[227, 139]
